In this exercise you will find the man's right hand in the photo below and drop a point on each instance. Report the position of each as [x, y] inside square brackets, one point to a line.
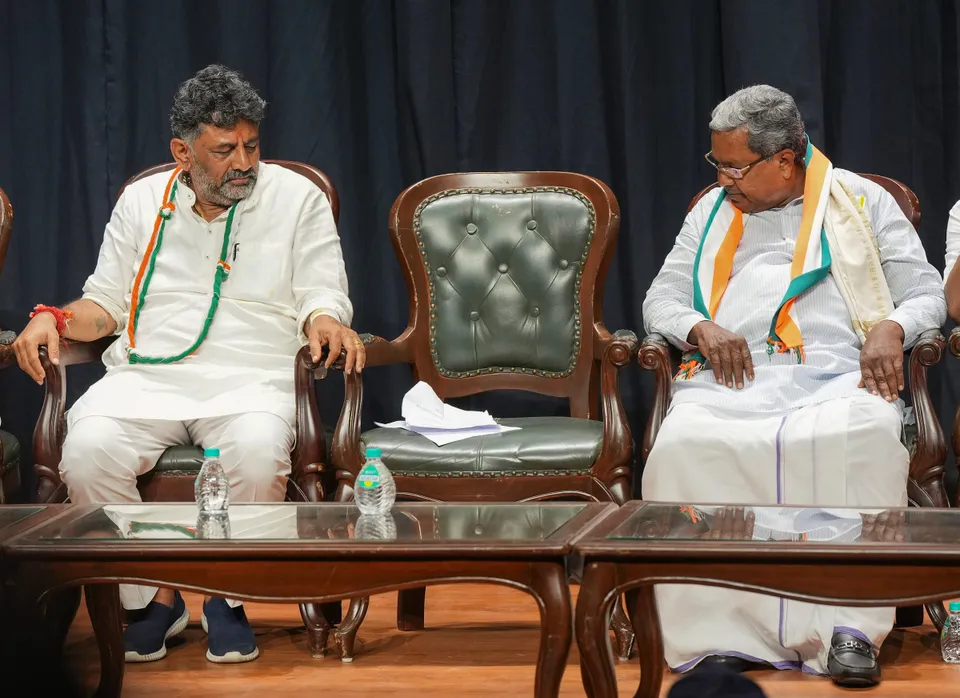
[42, 329]
[727, 352]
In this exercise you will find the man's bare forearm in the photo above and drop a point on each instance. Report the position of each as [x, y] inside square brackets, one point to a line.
[89, 322]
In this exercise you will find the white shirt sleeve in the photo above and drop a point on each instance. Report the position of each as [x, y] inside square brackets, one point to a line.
[668, 306]
[112, 280]
[953, 240]
[319, 274]
[915, 284]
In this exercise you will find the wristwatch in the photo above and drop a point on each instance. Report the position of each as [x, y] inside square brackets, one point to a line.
[7, 337]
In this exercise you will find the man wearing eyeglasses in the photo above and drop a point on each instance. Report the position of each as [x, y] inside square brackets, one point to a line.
[793, 289]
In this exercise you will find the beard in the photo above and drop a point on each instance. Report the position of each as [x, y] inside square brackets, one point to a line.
[222, 193]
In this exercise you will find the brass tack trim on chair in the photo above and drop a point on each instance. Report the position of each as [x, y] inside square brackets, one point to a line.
[577, 333]
[492, 473]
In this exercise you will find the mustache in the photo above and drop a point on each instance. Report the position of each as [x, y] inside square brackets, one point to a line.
[238, 174]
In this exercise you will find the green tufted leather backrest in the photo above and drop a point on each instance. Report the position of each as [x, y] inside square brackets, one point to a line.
[504, 269]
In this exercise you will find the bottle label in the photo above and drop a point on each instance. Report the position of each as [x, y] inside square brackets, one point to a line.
[369, 478]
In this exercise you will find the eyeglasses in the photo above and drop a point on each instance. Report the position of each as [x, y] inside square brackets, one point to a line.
[734, 172]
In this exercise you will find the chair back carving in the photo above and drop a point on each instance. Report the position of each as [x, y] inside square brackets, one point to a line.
[315, 175]
[901, 193]
[505, 273]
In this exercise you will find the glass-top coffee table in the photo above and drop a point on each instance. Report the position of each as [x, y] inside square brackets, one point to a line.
[835, 556]
[307, 553]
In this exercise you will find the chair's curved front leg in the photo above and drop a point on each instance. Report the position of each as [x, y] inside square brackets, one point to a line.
[309, 456]
[613, 466]
[926, 465]
[654, 355]
[49, 432]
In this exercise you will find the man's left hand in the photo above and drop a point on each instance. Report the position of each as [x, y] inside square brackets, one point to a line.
[881, 361]
[327, 331]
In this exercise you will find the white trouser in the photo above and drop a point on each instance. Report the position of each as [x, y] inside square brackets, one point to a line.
[103, 456]
[844, 452]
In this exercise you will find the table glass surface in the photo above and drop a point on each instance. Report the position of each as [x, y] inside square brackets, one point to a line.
[407, 523]
[13, 515]
[824, 525]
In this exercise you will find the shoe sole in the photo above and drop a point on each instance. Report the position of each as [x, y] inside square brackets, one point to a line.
[229, 657]
[233, 657]
[175, 629]
[847, 678]
[855, 682]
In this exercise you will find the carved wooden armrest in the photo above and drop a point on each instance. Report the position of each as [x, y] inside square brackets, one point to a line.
[926, 465]
[7, 355]
[955, 342]
[618, 350]
[654, 355]
[50, 430]
[346, 437]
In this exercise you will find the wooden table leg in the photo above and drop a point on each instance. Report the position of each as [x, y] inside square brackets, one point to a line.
[346, 632]
[549, 587]
[318, 628]
[646, 626]
[593, 636]
[103, 605]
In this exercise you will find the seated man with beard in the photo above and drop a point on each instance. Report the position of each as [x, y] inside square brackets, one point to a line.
[794, 288]
[212, 276]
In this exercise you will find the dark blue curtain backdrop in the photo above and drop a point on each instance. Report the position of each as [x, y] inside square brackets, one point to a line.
[382, 93]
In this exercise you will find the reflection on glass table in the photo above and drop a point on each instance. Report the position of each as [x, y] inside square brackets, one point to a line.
[10, 515]
[447, 523]
[677, 521]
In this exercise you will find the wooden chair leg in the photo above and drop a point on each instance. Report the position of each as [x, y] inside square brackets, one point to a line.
[410, 604]
[909, 617]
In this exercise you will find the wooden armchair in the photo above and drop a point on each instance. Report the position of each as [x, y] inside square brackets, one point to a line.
[925, 441]
[9, 446]
[173, 477]
[505, 275]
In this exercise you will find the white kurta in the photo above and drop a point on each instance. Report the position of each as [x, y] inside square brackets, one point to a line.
[801, 434]
[761, 274]
[953, 240]
[286, 263]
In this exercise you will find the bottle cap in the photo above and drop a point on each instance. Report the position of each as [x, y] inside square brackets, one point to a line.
[374, 453]
[954, 607]
[211, 453]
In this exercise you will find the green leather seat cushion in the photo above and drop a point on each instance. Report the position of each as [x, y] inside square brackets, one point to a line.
[543, 446]
[180, 458]
[503, 523]
[189, 458]
[11, 451]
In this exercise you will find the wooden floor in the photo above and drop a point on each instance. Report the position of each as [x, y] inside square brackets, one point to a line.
[480, 640]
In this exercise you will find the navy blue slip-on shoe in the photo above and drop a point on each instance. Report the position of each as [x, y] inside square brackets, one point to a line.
[229, 635]
[145, 640]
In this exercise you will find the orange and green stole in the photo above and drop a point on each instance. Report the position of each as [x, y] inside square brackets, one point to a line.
[811, 261]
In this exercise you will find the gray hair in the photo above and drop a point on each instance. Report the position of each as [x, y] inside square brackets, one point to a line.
[216, 95]
[770, 117]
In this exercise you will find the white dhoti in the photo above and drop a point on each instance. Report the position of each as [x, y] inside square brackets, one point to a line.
[842, 452]
[103, 456]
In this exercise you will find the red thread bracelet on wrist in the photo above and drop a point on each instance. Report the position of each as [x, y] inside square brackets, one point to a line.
[61, 315]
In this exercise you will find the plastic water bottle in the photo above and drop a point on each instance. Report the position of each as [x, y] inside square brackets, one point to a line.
[213, 526]
[950, 636]
[375, 490]
[373, 527]
[212, 488]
